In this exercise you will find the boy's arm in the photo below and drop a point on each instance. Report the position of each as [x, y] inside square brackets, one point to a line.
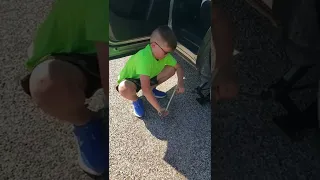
[97, 30]
[171, 61]
[180, 75]
[145, 86]
[103, 57]
[224, 82]
[222, 34]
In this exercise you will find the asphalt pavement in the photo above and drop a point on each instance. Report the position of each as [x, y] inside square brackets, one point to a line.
[175, 147]
[33, 146]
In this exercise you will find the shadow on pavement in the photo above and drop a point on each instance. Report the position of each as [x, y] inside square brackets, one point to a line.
[187, 130]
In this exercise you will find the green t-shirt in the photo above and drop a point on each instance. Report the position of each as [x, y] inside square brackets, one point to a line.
[71, 26]
[144, 63]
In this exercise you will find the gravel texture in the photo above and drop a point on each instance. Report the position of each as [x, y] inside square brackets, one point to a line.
[246, 144]
[176, 147]
[33, 145]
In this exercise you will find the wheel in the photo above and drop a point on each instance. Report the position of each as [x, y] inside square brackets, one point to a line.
[205, 63]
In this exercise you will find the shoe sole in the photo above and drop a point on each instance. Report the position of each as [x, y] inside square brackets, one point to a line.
[82, 164]
[137, 115]
[160, 97]
[86, 169]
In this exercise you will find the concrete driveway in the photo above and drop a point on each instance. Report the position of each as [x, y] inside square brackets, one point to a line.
[176, 147]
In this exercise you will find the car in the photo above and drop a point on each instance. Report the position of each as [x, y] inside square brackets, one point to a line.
[132, 21]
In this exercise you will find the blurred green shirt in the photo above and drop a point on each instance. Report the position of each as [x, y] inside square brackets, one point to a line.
[144, 63]
[72, 26]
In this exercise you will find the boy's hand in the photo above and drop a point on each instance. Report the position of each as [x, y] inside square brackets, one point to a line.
[180, 90]
[224, 83]
[163, 112]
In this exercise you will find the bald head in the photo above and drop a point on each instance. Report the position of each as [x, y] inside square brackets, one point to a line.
[165, 36]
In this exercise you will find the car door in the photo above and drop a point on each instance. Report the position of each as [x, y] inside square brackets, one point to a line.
[132, 21]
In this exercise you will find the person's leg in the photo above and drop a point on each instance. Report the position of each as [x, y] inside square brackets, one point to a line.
[128, 90]
[163, 76]
[58, 88]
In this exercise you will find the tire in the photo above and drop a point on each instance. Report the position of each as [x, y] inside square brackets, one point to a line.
[205, 62]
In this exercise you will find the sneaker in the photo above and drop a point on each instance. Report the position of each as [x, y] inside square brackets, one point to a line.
[158, 94]
[138, 108]
[92, 143]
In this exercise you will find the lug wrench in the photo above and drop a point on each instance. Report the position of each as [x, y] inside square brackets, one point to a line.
[174, 92]
[175, 89]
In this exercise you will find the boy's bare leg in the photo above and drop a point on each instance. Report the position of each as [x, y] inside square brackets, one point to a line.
[165, 74]
[127, 89]
[58, 88]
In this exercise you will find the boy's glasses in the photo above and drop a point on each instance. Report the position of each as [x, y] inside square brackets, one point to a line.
[165, 52]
